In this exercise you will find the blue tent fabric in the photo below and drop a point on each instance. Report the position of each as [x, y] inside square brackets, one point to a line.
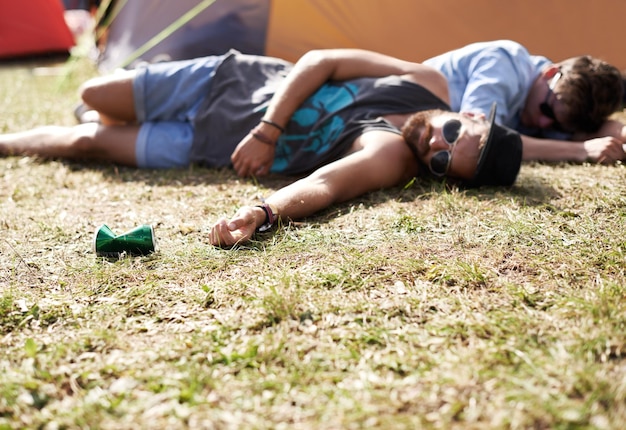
[224, 24]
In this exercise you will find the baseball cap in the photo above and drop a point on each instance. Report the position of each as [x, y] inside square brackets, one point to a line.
[500, 157]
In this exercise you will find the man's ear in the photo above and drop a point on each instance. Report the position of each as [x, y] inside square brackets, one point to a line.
[551, 70]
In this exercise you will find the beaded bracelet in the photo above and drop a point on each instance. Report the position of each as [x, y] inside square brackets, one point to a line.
[273, 124]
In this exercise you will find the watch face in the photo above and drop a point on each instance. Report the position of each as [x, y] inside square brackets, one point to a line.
[270, 217]
[264, 228]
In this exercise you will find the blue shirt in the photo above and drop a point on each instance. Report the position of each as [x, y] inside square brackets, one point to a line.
[479, 74]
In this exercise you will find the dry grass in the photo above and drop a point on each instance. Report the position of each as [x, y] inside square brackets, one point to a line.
[422, 307]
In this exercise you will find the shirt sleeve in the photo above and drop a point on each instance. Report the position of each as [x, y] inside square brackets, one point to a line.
[498, 75]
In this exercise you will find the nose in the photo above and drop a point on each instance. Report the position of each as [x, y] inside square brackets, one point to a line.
[437, 143]
[545, 122]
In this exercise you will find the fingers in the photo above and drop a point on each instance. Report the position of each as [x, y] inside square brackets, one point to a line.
[239, 163]
[621, 152]
[613, 153]
[220, 234]
[606, 150]
[252, 158]
[262, 170]
[240, 228]
[244, 169]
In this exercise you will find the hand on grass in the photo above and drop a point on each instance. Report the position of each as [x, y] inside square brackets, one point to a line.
[238, 229]
[604, 150]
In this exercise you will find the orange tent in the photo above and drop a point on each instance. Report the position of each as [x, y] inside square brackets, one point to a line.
[33, 27]
[419, 29]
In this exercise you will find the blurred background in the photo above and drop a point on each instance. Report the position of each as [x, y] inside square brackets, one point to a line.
[144, 30]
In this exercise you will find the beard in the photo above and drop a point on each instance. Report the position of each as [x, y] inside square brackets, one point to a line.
[417, 125]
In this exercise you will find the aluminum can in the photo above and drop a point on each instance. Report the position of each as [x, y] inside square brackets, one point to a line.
[138, 241]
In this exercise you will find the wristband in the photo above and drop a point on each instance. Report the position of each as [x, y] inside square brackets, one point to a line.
[273, 124]
[270, 218]
[261, 137]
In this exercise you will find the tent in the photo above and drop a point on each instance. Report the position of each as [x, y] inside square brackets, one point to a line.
[410, 29]
[33, 28]
[148, 30]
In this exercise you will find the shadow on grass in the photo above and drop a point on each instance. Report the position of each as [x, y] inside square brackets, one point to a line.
[190, 176]
[530, 191]
[533, 192]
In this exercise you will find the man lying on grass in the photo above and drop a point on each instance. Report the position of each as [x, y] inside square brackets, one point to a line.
[562, 110]
[354, 121]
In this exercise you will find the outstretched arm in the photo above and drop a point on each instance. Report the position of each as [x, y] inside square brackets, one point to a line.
[606, 146]
[384, 161]
[314, 68]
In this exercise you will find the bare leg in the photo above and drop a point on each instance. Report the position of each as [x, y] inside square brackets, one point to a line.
[81, 142]
[112, 97]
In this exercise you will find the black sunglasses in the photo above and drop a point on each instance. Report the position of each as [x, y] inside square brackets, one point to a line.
[546, 109]
[441, 160]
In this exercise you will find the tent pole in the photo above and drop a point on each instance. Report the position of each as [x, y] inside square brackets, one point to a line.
[166, 32]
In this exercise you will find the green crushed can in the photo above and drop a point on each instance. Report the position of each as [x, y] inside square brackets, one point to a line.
[138, 241]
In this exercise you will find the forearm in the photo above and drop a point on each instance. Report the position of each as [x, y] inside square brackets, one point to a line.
[295, 201]
[384, 161]
[307, 75]
[317, 67]
[301, 199]
[604, 150]
[552, 150]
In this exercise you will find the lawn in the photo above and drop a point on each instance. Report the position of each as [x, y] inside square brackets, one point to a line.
[424, 306]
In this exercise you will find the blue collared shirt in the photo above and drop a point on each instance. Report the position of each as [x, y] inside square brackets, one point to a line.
[479, 74]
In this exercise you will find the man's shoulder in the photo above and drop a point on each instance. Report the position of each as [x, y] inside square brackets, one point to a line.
[388, 144]
[489, 51]
[431, 80]
[499, 44]
[501, 49]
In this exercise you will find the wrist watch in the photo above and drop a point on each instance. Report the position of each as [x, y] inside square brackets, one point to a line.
[270, 218]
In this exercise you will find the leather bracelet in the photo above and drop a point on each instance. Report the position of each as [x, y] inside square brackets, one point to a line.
[273, 124]
[261, 137]
[270, 218]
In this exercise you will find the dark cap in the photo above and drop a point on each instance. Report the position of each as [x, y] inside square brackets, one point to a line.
[501, 156]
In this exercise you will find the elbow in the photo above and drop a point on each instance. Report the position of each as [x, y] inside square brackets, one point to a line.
[314, 56]
[325, 61]
[323, 188]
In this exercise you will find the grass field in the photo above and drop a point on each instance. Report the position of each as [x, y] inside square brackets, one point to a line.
[419, 307]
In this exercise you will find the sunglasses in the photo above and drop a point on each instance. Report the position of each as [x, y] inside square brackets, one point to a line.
[441, 160]
[545, 108]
